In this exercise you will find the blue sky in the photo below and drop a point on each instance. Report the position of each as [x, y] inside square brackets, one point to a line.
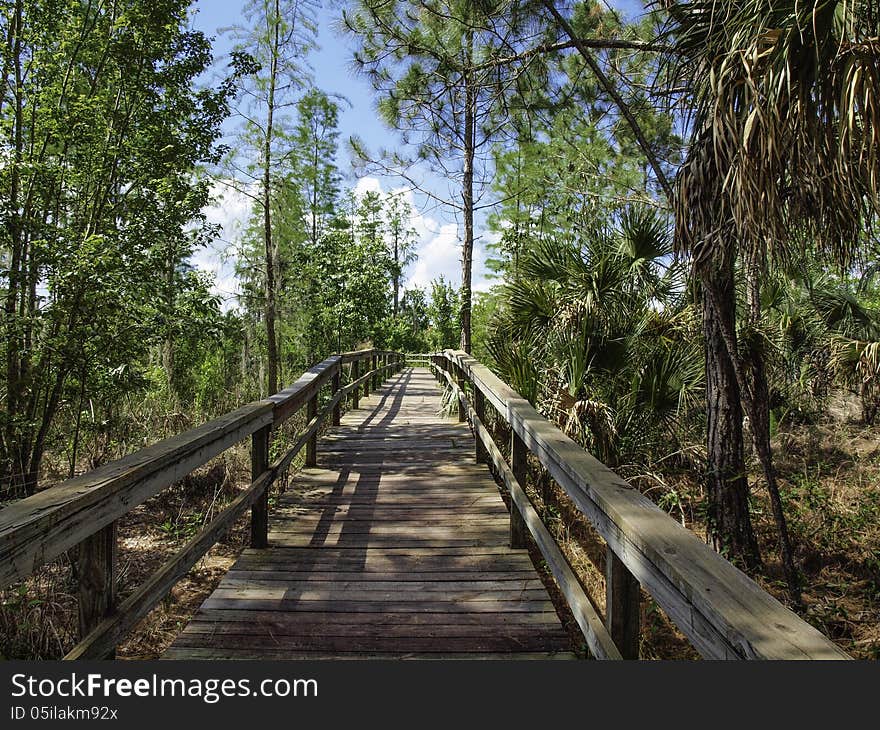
[438, 248]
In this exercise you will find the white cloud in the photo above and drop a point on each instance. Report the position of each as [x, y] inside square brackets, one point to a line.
[438, 249]
[230, 209]
[439, 254]
[367, 185]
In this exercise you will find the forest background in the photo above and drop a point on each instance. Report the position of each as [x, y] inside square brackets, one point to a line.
[615, 207]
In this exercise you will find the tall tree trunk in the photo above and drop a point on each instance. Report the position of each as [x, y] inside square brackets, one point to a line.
[754, 396]
[396, 278]
[316, 159]
[16, 456]
[168, 340]
[758, 408]
[467, 249]
[727, 486]
[270, 315]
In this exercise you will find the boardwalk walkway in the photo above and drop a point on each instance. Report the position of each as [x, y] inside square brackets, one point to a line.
[394, 546]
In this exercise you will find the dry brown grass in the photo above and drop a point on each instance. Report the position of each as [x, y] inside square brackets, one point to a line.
[38, 616]
[830, 482]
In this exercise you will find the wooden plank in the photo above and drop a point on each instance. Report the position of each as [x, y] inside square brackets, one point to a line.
[401, 562]
[481, 456]
[337, 408]
[355, 389]
[312, 443]
[403, 579]
[390, 547]
[398, 538]
[388, 621]
[222, 639]
[389, 436]
[520, 472]
[308, 522]
[488, 553]
[366, 606]
[390, 527]
[487, 586]
[393, 510]
[384, 500]
[279, 591]
[269, 654]
[384, 565]
[453, 447]
[354, 356]
[288, 401]
[358, 541]
[37, 529]
[548, 634]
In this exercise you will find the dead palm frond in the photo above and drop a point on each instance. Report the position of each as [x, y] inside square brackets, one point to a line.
[786, 127]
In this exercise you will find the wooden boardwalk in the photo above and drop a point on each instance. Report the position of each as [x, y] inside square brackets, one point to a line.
[394, 546]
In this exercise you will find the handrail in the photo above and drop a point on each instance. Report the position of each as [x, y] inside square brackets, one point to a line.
[722, 611]
[83, 511]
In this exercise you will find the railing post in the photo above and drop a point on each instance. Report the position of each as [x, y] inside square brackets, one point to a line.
[337, 408]
[312, 443]
[459, 378]
[622, 615]
[377, 376]
[355, 374]
[96, 568]
[519, 466]
[260, 510]
[367, 381]
[481, 455]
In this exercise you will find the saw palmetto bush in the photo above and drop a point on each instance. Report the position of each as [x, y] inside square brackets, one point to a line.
[854, 345]
[820, 337]
[596, 331]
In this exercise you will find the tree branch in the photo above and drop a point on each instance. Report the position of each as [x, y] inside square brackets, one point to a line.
[636, 128]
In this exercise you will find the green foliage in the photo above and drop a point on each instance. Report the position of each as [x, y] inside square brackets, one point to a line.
[102, 132]
[595, 330]
[442, 312]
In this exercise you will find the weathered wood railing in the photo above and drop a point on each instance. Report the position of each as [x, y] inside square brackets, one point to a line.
[83, 512]
[723, 613]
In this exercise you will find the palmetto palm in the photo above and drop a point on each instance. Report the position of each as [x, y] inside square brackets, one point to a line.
[592, 331]
[786, 120]
[785, 125]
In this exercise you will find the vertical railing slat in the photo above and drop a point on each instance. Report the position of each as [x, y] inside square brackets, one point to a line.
[337, 408]
[96, 570]
[260, 510]
[519, 466]
[622, 612]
